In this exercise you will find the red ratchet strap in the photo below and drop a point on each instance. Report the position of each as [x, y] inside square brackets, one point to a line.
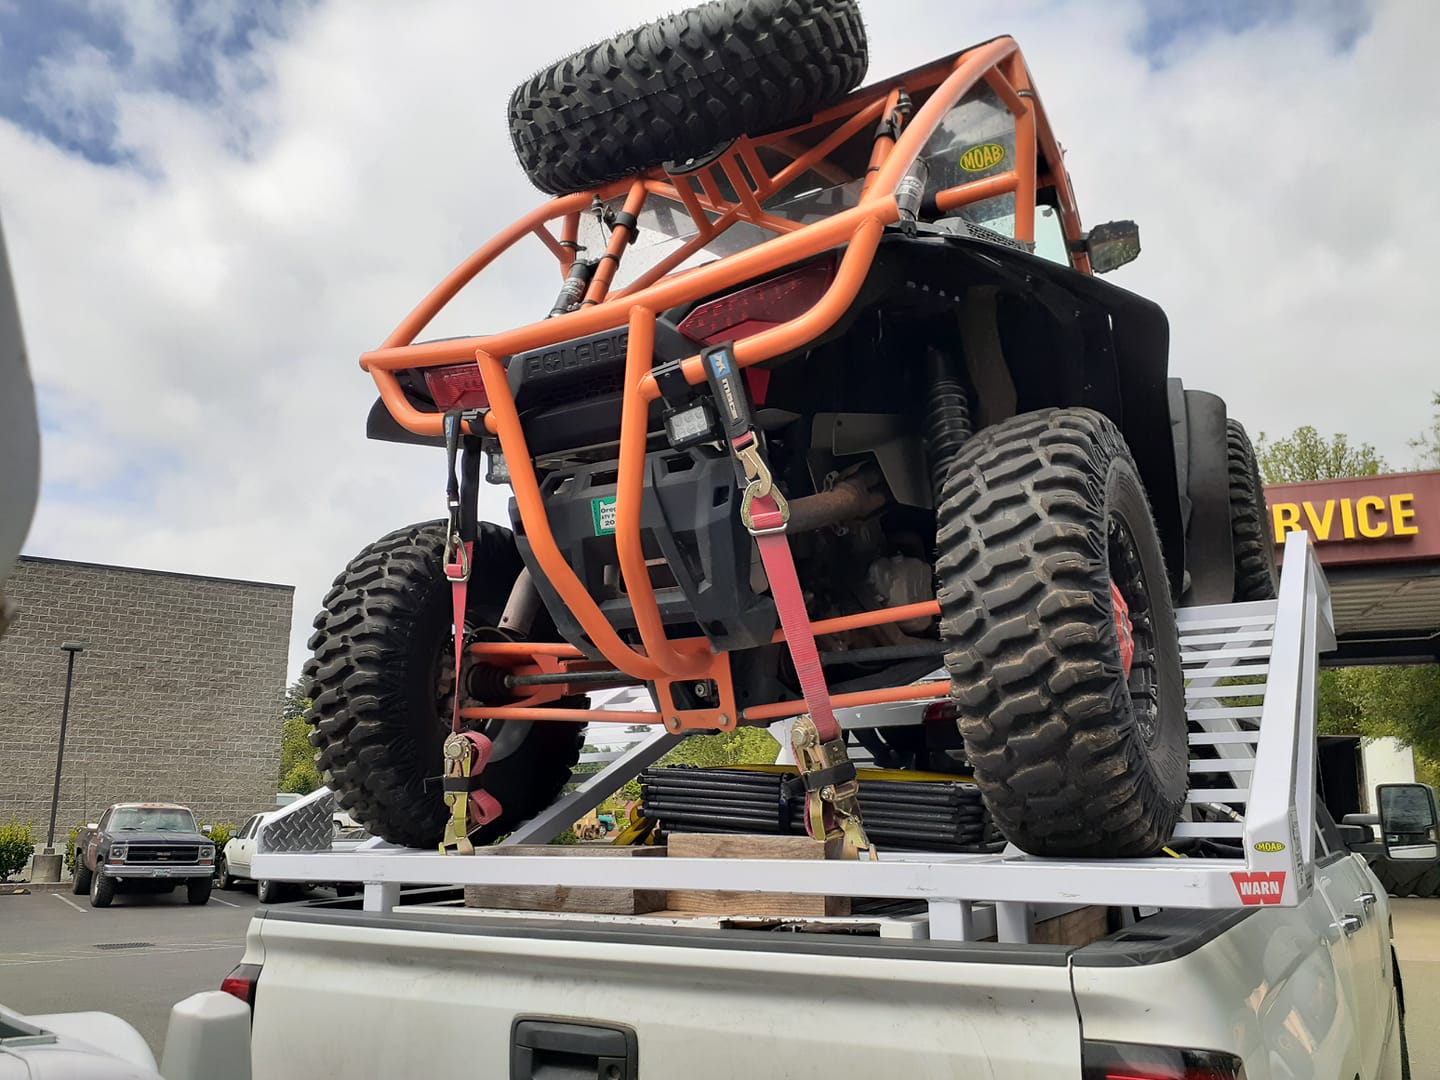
[832, 807]
[465, 753]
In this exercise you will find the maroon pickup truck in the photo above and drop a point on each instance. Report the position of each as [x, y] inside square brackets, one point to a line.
[143, 847]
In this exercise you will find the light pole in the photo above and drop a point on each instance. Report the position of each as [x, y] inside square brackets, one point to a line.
[70, 648]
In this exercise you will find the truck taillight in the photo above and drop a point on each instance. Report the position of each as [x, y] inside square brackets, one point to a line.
[1128, 1061]
[759, 307]
[241, 983]
[458, 386]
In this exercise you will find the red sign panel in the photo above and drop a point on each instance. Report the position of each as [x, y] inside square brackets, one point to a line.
[1369, 519]
[1259, 886]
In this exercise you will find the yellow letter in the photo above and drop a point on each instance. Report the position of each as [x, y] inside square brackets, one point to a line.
[1347, 518]
[1403, 512]
[1363, 506]
[1320, 527]
[1287, 519]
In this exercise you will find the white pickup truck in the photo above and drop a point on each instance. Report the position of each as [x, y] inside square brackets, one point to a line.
[1265, 955]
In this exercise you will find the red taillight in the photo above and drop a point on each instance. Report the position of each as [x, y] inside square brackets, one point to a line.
[942, 711]
[241, 983]
[759, 307]
[457, 387]
[1126, 1061]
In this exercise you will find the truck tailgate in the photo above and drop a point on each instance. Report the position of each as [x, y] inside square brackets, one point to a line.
[436, 995]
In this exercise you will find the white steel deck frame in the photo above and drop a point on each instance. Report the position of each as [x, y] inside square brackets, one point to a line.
[1279, 816]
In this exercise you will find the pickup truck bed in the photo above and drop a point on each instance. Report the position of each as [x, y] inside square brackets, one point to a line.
[1254, 982]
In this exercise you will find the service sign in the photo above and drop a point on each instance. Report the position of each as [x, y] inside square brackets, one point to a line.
[1367, 519]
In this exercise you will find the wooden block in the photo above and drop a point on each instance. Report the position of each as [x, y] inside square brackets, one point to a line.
[1078, 928]
[589, 901]
[712, 902]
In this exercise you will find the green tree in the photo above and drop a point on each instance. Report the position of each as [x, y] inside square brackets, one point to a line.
[1305, 454]
[297, 757]
[1427, 443]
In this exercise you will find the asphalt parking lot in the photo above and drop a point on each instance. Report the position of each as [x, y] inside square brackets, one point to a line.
[136, 958]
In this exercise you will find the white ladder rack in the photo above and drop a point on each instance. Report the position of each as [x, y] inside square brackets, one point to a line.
[1263, 753]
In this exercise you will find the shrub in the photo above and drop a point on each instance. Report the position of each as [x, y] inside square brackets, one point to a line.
[16, 846]
[566, 837]
[70, 849]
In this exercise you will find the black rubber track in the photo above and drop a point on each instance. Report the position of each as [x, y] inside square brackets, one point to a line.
[681, 87]
[1048, 719]
[378, 646]
[1255, 574]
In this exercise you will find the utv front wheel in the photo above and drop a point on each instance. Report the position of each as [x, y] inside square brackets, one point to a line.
[1048, 560]
[380, 681]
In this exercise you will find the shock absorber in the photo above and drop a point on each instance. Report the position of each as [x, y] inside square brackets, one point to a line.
[947, 421]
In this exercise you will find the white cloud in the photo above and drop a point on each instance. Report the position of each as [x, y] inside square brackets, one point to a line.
[195, 325]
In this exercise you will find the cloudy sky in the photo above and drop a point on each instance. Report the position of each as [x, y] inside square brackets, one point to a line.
[213, 207]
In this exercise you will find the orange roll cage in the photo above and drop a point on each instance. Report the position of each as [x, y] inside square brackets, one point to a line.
[856, 230]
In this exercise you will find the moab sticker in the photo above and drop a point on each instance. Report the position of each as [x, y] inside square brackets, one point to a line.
[982, 157]
[1259, 887]
[1269, 846]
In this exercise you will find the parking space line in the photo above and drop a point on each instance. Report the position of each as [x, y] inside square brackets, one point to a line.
[69, 903]
[227, 903]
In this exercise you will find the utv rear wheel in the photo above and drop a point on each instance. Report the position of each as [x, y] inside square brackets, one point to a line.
[684, 86]
[380, 681]
[1042, 522]
[1255, 576]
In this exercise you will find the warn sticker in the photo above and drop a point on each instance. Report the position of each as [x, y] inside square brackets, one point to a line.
[1259, 887]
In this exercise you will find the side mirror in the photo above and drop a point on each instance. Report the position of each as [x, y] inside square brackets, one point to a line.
[92, 825]
[1408, 821]
[1112, 245]
[205, 829]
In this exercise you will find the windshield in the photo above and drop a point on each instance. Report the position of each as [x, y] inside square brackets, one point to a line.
[153, 819]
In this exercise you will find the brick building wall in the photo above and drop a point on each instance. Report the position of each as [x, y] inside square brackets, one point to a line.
[175, 698]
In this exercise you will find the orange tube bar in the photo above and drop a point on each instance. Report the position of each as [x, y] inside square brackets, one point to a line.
[523, 650]
[781, 709]
[537, 527]
[463, 274]
[620, 238]
[586, 716]
[999, 184]
[630, 486]
[883, 145]
[923, 610]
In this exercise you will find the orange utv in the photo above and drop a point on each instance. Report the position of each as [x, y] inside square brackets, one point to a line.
[828, 400]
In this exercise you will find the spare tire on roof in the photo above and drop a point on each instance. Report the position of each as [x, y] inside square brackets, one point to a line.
[681, 87]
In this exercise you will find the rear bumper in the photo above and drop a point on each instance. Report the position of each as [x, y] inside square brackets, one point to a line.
[164, 871]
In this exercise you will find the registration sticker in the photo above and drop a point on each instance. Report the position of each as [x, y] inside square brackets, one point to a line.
[602, 513]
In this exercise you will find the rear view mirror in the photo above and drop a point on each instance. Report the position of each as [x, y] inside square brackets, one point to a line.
[1112, 245]
[205, 829]
[1408, 821]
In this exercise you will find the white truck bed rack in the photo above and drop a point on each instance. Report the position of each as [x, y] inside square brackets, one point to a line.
[1262, 732]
